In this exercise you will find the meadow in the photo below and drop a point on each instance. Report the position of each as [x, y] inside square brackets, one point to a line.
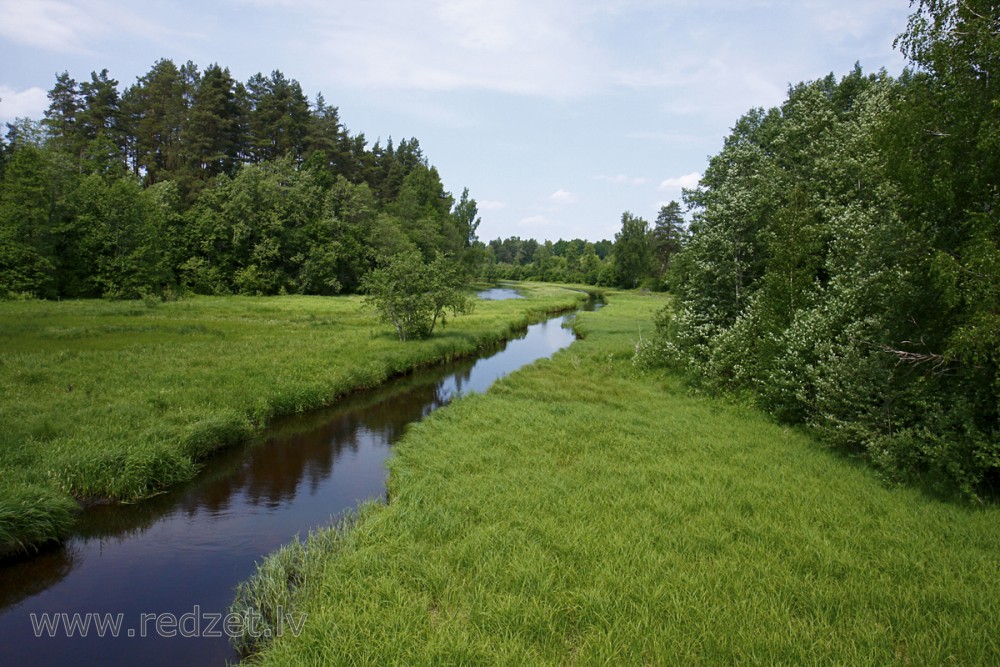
[114, 401]
[589, 511]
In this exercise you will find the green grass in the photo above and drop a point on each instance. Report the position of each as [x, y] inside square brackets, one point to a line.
[586, 512]
[119, 400]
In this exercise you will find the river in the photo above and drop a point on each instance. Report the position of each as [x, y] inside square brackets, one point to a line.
[165, 569]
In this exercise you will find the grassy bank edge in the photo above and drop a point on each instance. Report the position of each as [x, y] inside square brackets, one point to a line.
[33, 516]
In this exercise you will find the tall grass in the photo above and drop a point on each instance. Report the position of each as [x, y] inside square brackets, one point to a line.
[586, 512]
[117, 400]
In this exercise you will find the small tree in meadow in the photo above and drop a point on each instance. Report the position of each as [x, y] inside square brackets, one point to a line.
[414, 295]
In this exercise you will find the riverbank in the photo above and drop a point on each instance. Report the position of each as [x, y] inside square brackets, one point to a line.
[585, 511]
[116, 401]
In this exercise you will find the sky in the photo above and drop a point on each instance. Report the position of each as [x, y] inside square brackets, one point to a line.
[558, 115]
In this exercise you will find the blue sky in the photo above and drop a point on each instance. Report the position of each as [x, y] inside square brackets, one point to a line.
[558, 115]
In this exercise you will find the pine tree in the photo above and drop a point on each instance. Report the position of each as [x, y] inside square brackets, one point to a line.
[668, 236]
[61, 118]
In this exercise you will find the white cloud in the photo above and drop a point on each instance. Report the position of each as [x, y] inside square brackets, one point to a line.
[525, 47]
[686, 181]
[490, 205]
[47, 24]
[562, 197]
[30, 103]
[83, 26]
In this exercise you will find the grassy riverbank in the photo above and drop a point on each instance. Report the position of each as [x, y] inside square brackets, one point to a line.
[584, 512]
[118, 400]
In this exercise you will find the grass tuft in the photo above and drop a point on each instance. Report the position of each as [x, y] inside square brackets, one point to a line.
[31, 515]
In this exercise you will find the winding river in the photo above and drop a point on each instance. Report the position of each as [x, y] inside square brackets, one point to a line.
[177, 557]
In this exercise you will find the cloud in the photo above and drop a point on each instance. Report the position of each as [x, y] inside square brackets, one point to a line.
[524, 47]
[686, 181]
[47, 24]
[563, 197]
[85, 26]
[30, 103]
[490, 205]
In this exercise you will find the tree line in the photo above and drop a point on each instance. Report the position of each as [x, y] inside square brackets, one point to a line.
[190, 181]
[639, 256]
[843, 263]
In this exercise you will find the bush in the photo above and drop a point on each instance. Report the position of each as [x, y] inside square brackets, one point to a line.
[413, 295]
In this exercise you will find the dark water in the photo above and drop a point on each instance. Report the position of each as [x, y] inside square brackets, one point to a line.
[182, 553]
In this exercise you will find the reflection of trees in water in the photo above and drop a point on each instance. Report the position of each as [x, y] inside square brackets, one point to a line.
[23, 577]
[274, 470]
[302, 448]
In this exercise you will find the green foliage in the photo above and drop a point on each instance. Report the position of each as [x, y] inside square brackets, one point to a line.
[254, 228]
[27, 244]
[575, 261]
[843, 261]
[192, 181]
[413, 295]
[669, 236]
[424, 212]
[278, 117]
[212, 138]
[633, 250]
[114, 240]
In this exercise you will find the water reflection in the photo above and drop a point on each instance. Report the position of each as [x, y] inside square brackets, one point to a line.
[191, 546]
[498, 294]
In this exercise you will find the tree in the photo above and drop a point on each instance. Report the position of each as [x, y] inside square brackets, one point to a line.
[27, 221]
[250, 234]
[668, 236]
[250, 190]
[844, 252]
[326, 144]
[424, 209]
[279, 117]
[155, 108]
[212, 133]
[590, 265]
[465, 221]
[100, 111]
[413, 295]
[61, 116]
[632, 250]
[120, 252]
